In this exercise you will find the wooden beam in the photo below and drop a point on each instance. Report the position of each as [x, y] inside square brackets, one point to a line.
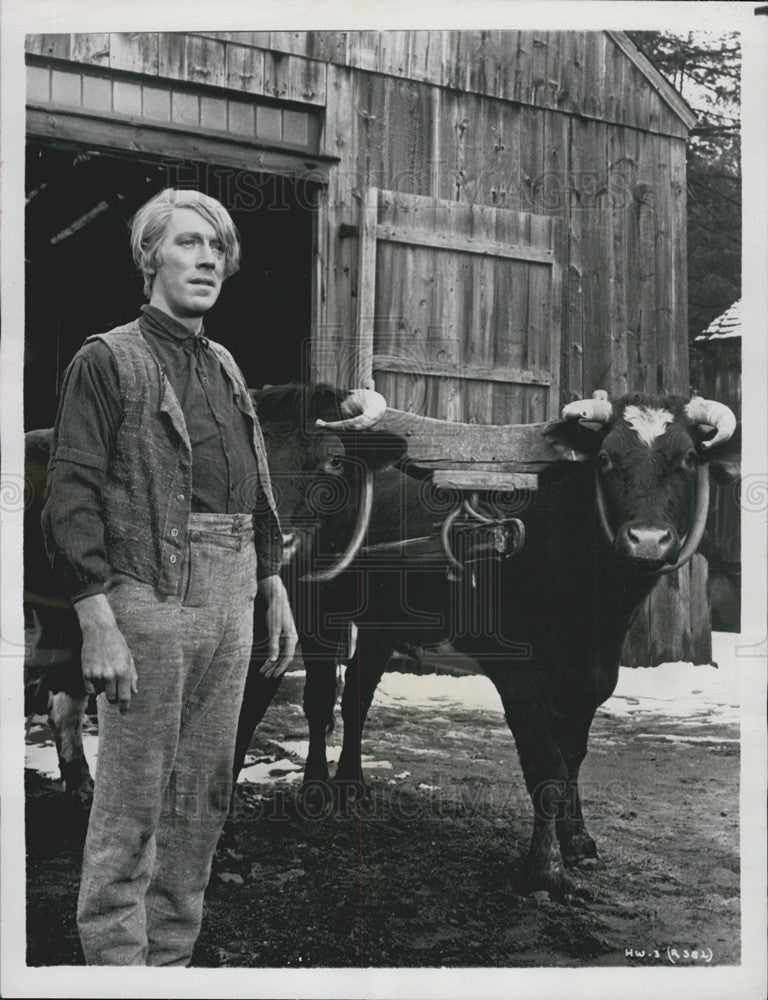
[442, 443]
[168, 141]
[464, 244]
[410, 366]
[472, 479]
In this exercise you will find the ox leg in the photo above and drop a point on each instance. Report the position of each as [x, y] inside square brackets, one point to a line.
[360, 682]
[257, 697]
[576, 845]
[572, 720]
[65, 716]
[545, 772]
[319, 703]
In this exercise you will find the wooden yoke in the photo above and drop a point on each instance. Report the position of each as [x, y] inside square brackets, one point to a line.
[477, 456]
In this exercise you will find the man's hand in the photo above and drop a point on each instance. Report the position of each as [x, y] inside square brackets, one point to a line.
[107, 661]
[280, 627]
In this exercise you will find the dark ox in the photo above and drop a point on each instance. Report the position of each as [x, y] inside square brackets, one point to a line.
[320, 446]
[553, 620]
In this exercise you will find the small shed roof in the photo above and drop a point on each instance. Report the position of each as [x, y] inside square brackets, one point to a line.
[727, 325]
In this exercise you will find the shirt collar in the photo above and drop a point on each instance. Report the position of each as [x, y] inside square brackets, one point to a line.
[161, 324]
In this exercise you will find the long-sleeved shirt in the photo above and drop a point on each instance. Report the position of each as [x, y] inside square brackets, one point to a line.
[225, 477]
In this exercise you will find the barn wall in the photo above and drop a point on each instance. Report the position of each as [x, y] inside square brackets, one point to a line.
[562, 124]
[583, 73]
[619, 191]
[716, 367]
[554, 123]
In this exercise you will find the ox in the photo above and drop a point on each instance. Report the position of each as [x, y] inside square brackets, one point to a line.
[320, 447]
[599, 533]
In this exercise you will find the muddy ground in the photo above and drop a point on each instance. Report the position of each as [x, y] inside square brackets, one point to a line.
[431, 872]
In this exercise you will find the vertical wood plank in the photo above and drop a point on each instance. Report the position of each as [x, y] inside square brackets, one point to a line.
[665, 280]
[645, 209]
[523, 73]
[554, 396]
[701, 625]
[91, 48]
[678, 223]
[617, 258]
[425, 55]
[366, 288]
[539, 301]
[594, 73]
[172, 55]
[135, 51]
[330, 46]
[339, 138]
[206, 61]
[571, 97]
[244, 68]
[597, 359]
[573, 347]
[540, 91]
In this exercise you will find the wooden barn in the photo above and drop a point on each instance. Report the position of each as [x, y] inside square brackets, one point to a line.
[716, 373]
[487, 224]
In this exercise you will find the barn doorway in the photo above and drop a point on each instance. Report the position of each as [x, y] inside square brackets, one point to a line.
[80, 278]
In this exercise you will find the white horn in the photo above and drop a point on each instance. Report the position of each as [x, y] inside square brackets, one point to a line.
[362, 407]
[597, 409]
[717, 415]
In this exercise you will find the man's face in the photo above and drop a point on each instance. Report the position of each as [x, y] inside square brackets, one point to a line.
[188, 281]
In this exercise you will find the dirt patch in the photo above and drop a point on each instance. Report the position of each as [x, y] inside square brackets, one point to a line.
[430, 872]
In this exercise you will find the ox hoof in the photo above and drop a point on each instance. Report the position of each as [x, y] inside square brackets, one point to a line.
[580, 851]
[78, 783]
[315, 798]
[550, 885]
[349, 792]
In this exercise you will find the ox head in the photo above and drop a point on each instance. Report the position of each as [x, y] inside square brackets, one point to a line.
[652, 458]
[323, 451]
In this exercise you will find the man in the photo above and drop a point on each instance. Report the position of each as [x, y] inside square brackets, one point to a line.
[161, 519]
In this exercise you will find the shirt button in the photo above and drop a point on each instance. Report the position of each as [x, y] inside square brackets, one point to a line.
[205, 380]
[180, 498]
[174, 532]
[173, 559]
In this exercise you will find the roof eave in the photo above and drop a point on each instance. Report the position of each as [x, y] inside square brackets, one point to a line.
[667, 92]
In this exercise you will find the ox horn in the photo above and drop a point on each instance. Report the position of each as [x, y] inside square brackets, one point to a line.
[717, 415]
[361, 529]
[693, 538]
[597, 409]
[362, 408]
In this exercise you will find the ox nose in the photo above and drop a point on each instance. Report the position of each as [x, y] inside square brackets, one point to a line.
[647, 542]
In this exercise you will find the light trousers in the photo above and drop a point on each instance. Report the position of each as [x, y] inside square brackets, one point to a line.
[164, 769]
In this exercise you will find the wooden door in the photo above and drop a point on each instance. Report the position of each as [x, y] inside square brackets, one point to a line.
[458, 309]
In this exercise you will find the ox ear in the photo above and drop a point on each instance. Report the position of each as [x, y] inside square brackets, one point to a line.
[377, 449]
[724, 459]
[575, 440]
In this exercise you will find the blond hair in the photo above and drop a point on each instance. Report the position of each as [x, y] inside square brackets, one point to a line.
[151, 221]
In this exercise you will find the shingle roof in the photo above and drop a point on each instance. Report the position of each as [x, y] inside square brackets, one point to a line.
[726, 325]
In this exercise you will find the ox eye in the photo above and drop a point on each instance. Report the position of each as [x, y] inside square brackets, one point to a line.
[334, 464]
[604, 463]
[689, 460]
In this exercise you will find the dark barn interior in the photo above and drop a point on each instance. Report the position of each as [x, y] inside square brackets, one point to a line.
[80, 278]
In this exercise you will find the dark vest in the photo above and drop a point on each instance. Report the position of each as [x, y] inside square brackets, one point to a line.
[148, 482]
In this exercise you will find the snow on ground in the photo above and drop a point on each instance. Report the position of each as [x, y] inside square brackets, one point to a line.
[685, 692]
[40, 750]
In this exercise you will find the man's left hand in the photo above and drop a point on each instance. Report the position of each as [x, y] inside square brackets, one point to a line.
[281, 628]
